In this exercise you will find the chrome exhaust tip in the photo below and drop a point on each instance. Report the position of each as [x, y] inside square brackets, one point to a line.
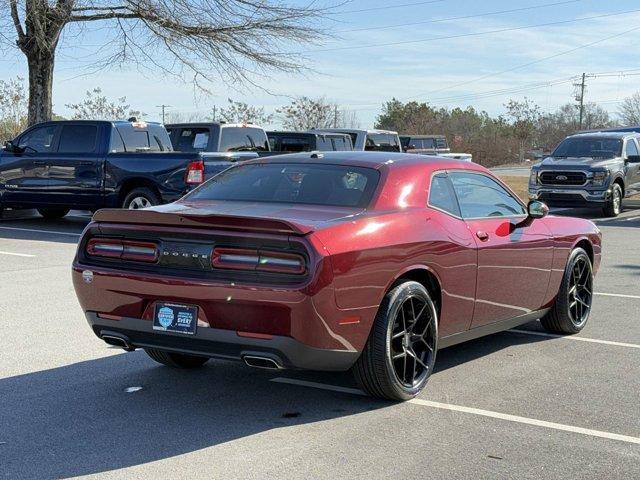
[117, 341]
[266, 363]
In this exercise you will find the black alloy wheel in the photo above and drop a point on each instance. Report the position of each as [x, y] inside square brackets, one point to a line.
[412, 345]
[400, 354]
[572, 307]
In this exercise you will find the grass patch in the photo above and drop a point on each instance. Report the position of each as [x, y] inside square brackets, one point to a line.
[519, 185]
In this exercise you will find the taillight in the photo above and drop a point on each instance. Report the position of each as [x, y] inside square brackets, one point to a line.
[258, 260]
[123, 249]
[195, 173]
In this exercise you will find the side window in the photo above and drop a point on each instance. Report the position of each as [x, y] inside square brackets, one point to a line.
[429, 143]
[341, 144]
[235, 139]
[415, 143]
[294, 144]
[441, 195]
[479, 196]
[134, 139]
[323, 143]
[116, 145]
[78, 139]
[631, 148]
[39, 139]
[258, 139]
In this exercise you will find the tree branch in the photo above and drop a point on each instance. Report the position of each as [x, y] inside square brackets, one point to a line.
[16, 20]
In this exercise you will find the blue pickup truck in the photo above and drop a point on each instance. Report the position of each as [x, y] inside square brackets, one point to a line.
[63, 165]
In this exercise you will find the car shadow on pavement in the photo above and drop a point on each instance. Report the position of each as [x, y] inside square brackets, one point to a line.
[28, 225]
[628, 218]
[79, 420]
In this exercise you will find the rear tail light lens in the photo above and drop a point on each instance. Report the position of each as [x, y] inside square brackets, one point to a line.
[123, 249]
[258, 260]
[195, 173]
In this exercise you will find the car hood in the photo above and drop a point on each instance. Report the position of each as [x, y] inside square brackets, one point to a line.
[245, 216]
[577, 163]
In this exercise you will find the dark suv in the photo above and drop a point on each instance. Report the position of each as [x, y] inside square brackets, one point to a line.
[594, 169]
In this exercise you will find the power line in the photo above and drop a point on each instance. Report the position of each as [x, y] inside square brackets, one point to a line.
[163, 106]
[387, 7]
[461, 35]
[462, 17]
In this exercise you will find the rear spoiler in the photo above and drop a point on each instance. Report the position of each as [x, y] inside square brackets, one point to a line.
[222, 222]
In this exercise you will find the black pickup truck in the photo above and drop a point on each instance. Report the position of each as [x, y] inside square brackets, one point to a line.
[294, 142]
[57, 166]
[592, 170]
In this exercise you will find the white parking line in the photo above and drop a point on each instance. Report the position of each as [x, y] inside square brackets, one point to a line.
[579, 339]
[17, 254]
[475, 411]
[619, 295]
[40, 231]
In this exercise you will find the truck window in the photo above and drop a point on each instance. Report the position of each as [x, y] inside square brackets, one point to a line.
[293, 144]
[38, 139]
[631, 148]
[239, 139]
[116, 145]
[384, 142]
[441, 143]
[417, 143]
[78, 139]
[134, 139]
[323, 143]
[341, 144]
[192, 140]
[429, 143]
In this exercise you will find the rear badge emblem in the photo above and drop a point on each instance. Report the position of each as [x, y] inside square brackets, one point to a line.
[87, 276]
[562, 178]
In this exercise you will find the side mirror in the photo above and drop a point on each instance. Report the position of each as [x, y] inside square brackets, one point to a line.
[633, 159]
[9, 146]
[537, 209]
[411, 147]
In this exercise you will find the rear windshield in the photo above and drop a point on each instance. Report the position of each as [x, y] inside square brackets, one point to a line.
[317, 184]
[594, 147]
[382, 142]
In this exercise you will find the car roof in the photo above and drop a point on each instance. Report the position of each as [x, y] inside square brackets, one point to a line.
[375, 160]
[210, 124]
[311, 133]
[353, 130]
[605, 134]
[423, 136]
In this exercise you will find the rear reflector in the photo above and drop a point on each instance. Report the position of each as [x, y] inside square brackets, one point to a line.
[123, 249]
[195, 173]
[258, 260]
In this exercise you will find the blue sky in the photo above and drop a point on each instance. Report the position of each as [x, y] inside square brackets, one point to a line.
[482, 60]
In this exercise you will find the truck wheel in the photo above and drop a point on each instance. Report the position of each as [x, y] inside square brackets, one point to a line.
[400, 354]
[614, 204]
[141, 197]
[571, 309]
[176, 360]
[53, 213]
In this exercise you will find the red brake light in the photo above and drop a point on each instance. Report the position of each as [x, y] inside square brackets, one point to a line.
[258, 260]
[195, 173]
[123, 249]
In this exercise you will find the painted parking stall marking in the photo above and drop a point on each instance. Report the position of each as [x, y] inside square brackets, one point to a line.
[474, 411]
[35, 230]
[619, 295]
[14, 254]
[575, 338]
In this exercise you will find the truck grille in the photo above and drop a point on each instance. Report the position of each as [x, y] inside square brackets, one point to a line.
[563, 178]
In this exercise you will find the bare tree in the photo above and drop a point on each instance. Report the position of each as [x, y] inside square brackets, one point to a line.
[524, 116]
[13, 108]
[241, 112]
[98, 106]
[629, 112]
[306, 113]
[198, 39]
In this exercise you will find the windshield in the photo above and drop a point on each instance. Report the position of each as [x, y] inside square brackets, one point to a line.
[317, 184]
[593, 147]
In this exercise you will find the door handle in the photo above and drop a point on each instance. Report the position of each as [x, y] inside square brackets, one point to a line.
[482, 235]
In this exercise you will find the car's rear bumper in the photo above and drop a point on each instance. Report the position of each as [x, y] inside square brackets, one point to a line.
[286, 352]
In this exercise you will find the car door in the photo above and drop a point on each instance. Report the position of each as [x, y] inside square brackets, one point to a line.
[632, 166]
[24, 174]
[75, 166]
[515, 254]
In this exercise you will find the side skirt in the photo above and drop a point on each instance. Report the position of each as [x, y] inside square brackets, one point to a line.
[489, 329]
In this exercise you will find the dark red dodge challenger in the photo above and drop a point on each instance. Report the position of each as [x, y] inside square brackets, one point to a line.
[367, 261]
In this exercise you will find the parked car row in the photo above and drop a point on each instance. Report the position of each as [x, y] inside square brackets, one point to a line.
[79, 164]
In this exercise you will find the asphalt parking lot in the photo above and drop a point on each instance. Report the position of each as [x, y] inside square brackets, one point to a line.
[519, 404]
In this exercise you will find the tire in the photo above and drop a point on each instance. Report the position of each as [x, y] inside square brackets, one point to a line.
[614, 204]
[53, 213]
[384, 367]
[141, 197]
[572, 307]
[176, 360]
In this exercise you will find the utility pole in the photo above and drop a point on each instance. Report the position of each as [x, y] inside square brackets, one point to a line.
[213, 114]
[580, 97]
[163, 106]
[335, 116]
